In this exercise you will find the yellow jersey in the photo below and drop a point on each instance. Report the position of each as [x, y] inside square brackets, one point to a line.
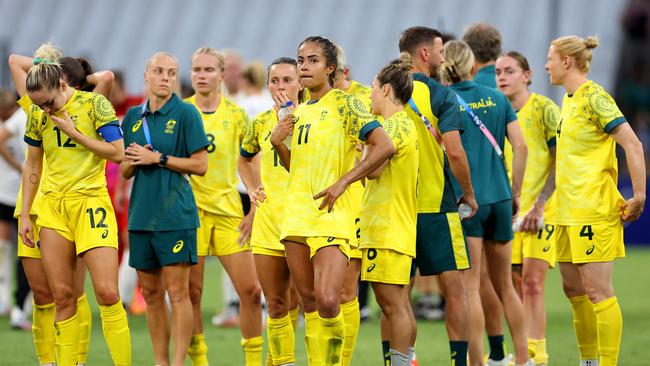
[362, 93]
[587, 168]
[389, 208]
[438, 105]
[268, 217]
[216, 191]
[538, 119]
[70, 167]
[323, 147]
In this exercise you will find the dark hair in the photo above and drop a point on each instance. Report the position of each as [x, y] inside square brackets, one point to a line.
[285, 61]
[484, 40]
[75, 71]
[398, 74]
[521, 61]
[329, 51]
[414, 37]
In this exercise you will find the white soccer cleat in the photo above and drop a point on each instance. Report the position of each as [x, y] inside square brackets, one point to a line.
[588, 362]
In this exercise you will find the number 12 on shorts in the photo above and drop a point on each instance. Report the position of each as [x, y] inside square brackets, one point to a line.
[99, 211]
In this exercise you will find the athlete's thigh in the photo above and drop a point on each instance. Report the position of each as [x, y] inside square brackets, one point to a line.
[330, 265]
[102, 265]
[176, 279]
[498, 255]
[197, 273]
[598, 276]
[241, 269]
[37, 280]
[571, 279]
[302, 271]
[79, 277]
[59, 259]
[273, 274]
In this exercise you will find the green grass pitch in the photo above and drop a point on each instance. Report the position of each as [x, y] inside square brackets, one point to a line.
[632, 283]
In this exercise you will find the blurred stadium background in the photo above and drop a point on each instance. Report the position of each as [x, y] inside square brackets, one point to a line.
[122, 34]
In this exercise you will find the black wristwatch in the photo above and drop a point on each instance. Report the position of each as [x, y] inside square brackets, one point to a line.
[163, 160]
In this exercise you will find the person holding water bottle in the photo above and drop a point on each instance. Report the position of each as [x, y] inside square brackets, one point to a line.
[488, 118]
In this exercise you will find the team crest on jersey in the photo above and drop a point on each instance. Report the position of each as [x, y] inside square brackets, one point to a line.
[170, 125]
[323, 114]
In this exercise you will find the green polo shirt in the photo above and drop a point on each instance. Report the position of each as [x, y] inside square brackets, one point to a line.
[486, 76]
[489, 176]
[162, 199]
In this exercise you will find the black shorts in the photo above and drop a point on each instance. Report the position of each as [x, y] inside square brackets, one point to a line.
[7, 213]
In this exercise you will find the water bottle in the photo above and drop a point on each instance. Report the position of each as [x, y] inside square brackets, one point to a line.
[516, 225]
[464, 210]
[284, 111]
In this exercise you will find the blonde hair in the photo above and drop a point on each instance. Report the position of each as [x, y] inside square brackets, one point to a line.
[255, 74]
[46, 72]
[341, 61]
[577, 48]
[158, 54]
[458, 64]
[215, 53]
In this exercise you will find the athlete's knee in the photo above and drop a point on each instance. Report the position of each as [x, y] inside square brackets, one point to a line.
[277, 305]
[251, 294]
[64, 296]
[533, 286]
[153, 295]
[572, 289]
[196, 291]
[328, 302]
[598, 292]
[178, 293]
[107, 294]
[42, 294]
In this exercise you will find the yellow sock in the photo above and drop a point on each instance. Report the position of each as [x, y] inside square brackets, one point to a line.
[537, 351]
[253, 350]
[43, 332]
[352, 320]
[293, 313]
[269, 359]
[584, 324]
[282, 340]
[532, 345]
[198, 350]
[312, 340]
[66, 337]
[332, 335]
[116, 333]
[610, 328]
[85, 328]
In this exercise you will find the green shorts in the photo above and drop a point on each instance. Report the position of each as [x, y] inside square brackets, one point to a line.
[156, 249]
[440, 244]
[492, 222]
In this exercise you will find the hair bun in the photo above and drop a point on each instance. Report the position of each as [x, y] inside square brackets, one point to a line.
[591, 42]
[48, 53]
[405, 61]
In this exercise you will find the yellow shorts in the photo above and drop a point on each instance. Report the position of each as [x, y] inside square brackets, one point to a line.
[27, 252]
[259, 250]
[317, 242]
[218, 235]
[539, 245]
[356, 253]
[590, 243]
[386, 266]
[88, 221]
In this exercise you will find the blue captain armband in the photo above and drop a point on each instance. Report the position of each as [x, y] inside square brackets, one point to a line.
[110, 132]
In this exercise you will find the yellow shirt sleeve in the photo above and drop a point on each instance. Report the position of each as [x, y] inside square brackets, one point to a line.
[250, 144]
[102, 111]
[604, 111]
[359, 121]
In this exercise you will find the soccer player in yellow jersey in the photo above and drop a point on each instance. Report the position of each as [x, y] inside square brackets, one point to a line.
[389, 210]
[317, 226]
[43, 314]
[440, 243]
[590, 210]
[267, 187]
[349, 299]
[224, 230]
[533, 247]
[74, 131]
